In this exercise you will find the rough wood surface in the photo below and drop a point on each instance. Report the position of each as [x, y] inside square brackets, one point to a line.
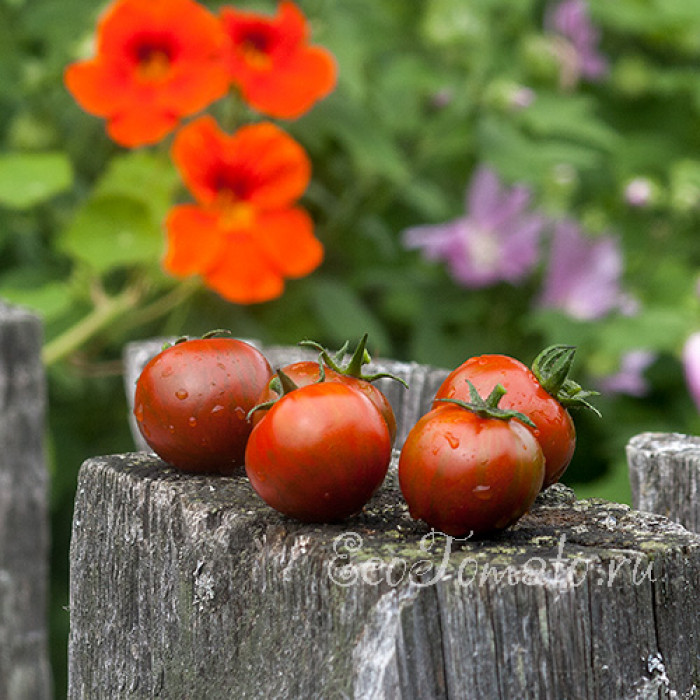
[665, 476]
[190, 587]
[24, 667]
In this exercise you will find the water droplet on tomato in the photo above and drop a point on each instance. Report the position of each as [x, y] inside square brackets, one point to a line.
[181, 394]
[217, 409]
[138, 413]
[168, 371]
[171, 429]
[482, 492]
[192, 421]
[240, 412]
[221, 365]
[452, 440]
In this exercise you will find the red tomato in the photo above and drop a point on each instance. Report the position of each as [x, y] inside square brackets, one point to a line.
[462, 473]
[554, 427]
[192, 401]
[308, 372]
[319, 453]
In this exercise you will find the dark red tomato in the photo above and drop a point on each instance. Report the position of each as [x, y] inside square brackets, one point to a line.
[192, 401]
[554, 427]
[319, 453]
[308, 372]
[463, 474]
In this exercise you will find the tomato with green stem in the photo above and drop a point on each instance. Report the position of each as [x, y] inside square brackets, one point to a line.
[471, 468]
[544, 394]
[330, 369]
[192, 399]
[319, 453]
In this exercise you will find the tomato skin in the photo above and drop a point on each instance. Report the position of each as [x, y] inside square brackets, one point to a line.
[555, 429]
[463, 474]
[192, 400]
[319, 453]
[307, 372]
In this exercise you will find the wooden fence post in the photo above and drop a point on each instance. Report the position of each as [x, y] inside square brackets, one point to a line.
[665, 476]
[190, 587]
[24, 665]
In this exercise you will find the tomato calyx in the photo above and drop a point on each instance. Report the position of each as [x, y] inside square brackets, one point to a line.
[552, 368]
[209, 334]
[488, 407]
[354, 366]
[282, 384]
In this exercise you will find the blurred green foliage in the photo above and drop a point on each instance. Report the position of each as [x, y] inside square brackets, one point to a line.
[427, 91]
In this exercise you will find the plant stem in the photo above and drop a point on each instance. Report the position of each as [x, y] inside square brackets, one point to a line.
[161, 306]
[101, 317]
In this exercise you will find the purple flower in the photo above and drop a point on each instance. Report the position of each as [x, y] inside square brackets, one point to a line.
[691, 366]
[583, 275]
[578, 52]
[497, 240]
[630, 377]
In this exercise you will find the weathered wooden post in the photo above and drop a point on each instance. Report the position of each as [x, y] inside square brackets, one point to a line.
[665, 476]
[190, 587]
[24, 537]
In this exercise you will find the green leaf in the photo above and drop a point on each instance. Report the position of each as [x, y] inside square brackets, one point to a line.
[49, 299]
[113, 231]
[655, 328]
[27, 179]
[514, 153]
[570, 117]
[345, 316]
[370, 144]
[139, 175]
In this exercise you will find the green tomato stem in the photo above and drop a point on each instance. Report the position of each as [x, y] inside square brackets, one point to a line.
[552, 368]
[359, 358]
[488, 407]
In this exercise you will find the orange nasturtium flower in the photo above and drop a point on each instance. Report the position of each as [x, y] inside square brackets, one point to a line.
[271, 61]
[245, 234]
[156, 61]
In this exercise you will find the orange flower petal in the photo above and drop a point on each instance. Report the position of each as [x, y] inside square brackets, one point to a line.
[157, 61]
[260, 43]
[244, 274]
[187, 95]
[126, 23]
[131, 130]
[96, 88]
[307, 76]
[260, 164]
[270, 60]
[288, 241]
[195, 240]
